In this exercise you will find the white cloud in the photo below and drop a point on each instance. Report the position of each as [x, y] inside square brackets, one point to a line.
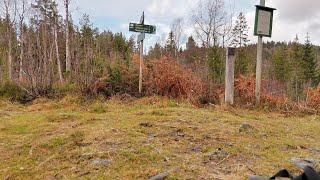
[291, 17]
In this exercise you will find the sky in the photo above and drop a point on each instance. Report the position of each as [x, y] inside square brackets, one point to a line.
[292, 17]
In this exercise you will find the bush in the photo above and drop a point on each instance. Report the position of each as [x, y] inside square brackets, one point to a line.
[245, 94]
[166, 77]
[121, 79]
[14, 92]
[313, 98]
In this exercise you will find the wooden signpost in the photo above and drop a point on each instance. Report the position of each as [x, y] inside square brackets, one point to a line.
[229, 84]
[263, 28]
[142, 29]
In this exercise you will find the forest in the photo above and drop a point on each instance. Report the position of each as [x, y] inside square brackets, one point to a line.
[44, 52]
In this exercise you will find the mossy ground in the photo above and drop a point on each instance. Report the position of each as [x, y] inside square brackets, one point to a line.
[143, 137]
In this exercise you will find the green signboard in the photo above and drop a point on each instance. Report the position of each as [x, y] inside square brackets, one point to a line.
[142, 28]
[263, 21]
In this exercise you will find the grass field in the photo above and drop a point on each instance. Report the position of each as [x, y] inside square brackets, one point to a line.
[137, 139]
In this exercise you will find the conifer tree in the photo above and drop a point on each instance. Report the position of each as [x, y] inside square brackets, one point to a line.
[309, 62]
[240, 32]
[170, 46]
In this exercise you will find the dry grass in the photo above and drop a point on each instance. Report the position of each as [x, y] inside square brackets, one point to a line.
[144, 137]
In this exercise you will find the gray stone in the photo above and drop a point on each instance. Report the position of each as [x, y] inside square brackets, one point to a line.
[100, 163]
[216, 155]
[245, 127]
[160, 176]
[304, 162]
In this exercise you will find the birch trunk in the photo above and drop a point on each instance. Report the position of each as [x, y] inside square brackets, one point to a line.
[68, 61]
[57, 54]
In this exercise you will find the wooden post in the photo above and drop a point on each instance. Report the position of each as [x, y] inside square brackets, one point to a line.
[259, 64]
[141, 55]
[229, 77]
[141, 66]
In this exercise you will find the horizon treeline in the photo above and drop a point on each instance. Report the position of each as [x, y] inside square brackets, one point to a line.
[40, 49]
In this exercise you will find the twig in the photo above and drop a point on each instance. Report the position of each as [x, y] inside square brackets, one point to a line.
[222, 160]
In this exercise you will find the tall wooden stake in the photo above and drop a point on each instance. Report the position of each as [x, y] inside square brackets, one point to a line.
[229, 78]
[259, 64]
[141, 65]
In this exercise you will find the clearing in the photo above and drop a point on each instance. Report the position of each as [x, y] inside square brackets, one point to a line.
[137, 139]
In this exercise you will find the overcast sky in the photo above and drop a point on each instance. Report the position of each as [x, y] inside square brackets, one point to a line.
[292, 16]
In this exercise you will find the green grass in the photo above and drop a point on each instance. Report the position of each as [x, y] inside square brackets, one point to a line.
[144, 137]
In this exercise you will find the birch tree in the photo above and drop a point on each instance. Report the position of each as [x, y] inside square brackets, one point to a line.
[68, 57]
[55, 30]
[209, 19]
[177, 30]
[22, 13]
[10, 9]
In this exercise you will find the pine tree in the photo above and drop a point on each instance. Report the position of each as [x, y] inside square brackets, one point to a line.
[296, 64]
[240, 32]
[280, 62]
[309, 62]
[192, 51]
[155, 52]
[170, 46]
[240, 39]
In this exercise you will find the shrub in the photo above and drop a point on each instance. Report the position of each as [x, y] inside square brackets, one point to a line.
[245, 94]
[166, 77]
[14, 92]
[120, 79]
[313, 98]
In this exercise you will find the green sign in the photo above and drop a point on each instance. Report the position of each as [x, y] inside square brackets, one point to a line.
[142, 28]
[263, 21]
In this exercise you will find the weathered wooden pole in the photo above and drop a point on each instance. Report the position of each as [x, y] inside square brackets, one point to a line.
[259, 64]
[141, 54]
[141, 66]
[229, 77]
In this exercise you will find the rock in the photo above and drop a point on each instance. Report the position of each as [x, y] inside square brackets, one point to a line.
[218, 154]
[160, 176]
[304, 162]
[100, 163]
[245, 127]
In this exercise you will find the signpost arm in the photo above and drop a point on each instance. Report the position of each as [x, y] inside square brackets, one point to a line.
[259, 64]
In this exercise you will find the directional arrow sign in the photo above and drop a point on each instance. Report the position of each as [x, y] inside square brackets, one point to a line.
[134, 27]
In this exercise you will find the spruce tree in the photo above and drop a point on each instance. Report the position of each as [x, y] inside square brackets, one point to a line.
[240, 32]
[240, 39]
[309, 62]
[170, 46]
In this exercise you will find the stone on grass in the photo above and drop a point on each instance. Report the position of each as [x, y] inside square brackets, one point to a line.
[218, 154]
[304, 162]
[160, 176]
[245, 127]
[100, 163]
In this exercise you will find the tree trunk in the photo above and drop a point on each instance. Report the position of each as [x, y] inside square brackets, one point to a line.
[57, 54]
[68, 61]
[21, 52]
[9, 56]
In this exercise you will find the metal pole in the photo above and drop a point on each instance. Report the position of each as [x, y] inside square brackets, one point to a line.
[229, 77]
[259, 64]
[141, 65]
